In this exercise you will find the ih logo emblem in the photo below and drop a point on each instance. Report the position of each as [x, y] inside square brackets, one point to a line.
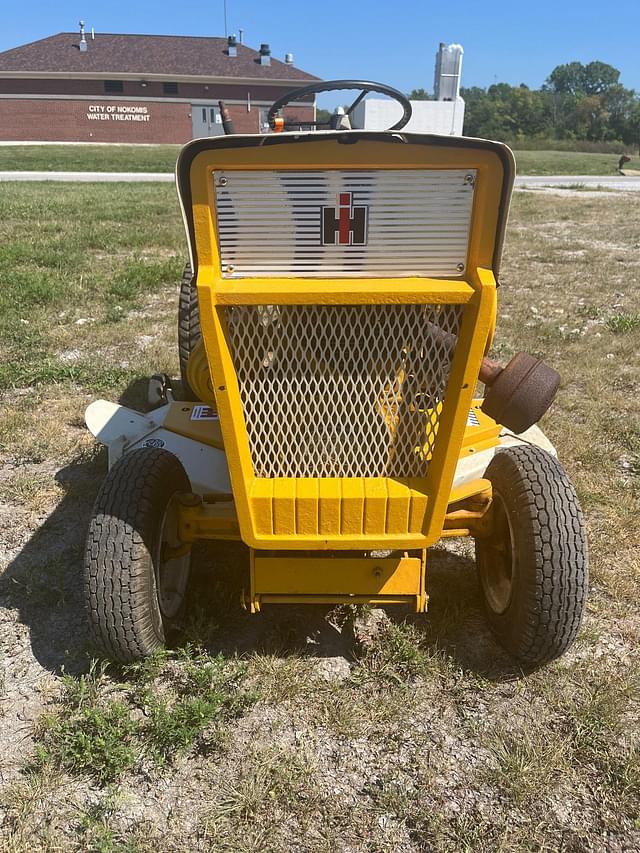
[346, 224]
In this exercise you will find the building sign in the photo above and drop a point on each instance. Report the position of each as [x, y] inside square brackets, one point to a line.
[117, 112]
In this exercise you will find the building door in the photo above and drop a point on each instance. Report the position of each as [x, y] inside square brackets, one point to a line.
[206, 120]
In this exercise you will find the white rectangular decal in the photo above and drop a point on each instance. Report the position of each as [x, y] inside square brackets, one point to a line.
[472, 419]
[203, 413]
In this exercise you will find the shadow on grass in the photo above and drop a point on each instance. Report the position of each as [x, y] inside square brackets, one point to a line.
[44, 583]
[455, 623]
[217, 618]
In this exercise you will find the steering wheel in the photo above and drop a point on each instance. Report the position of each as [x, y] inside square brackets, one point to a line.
[365, 86]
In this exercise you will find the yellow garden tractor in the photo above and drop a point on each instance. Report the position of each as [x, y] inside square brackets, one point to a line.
[335, 320]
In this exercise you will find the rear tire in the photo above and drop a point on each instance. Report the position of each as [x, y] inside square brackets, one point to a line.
[133, 592]
[533, 568]
[188, 327]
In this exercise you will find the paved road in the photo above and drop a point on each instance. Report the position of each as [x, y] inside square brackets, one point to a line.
[609, 182]
[606, 182]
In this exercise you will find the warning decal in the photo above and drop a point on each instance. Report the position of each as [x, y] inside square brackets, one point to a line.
[473, 420]
[203, 413]
[153, 442]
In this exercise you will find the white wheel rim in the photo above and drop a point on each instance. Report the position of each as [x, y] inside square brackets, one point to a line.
[171, 575]
[498, 564]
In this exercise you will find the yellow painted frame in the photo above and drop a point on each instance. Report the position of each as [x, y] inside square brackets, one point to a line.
[278, 514]
[396, 579]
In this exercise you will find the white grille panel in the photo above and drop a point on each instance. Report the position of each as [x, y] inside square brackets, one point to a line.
[342, 391]
[417, 222]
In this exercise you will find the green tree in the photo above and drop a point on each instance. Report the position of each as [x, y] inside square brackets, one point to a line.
[622, 106]
[480, 114]
[505, 112]
[574, 78]
[599, 78]
[566, 79]
[633, 126]
[577, 102]
[419, 95]
[592, 118]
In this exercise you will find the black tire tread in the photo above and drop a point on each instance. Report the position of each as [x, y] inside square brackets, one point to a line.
[188, 326]
[553, 554]
[120, 544]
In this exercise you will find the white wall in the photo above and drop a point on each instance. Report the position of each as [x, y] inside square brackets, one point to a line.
[444, 117]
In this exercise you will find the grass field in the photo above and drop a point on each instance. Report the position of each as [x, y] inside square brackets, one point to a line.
[566, 163]
[302, 729]
[89, 158]
[162, 158]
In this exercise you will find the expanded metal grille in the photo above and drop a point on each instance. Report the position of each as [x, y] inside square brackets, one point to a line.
[342, 391]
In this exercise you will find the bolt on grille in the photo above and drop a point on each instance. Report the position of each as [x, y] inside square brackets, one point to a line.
[342, 391]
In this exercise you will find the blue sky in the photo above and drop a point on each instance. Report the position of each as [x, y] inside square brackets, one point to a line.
[394, 42]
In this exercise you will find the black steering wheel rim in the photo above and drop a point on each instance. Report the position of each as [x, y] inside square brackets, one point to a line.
[365, 86]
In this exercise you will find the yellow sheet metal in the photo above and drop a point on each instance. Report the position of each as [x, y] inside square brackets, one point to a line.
[280, 579]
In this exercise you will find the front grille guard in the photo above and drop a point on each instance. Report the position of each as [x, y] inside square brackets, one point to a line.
[322, 512]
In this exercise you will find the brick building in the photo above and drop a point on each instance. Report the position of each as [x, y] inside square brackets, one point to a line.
[111, 87]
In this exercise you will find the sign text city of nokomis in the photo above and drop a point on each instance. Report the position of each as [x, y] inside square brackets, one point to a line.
[117, 112]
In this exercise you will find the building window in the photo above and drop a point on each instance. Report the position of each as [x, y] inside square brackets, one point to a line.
[113, 87]
[169, 88]
[263, 123]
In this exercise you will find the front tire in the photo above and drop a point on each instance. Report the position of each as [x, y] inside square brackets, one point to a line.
[133, 589]
[533, 567]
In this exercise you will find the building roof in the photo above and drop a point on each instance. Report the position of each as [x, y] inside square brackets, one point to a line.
[122, 54]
